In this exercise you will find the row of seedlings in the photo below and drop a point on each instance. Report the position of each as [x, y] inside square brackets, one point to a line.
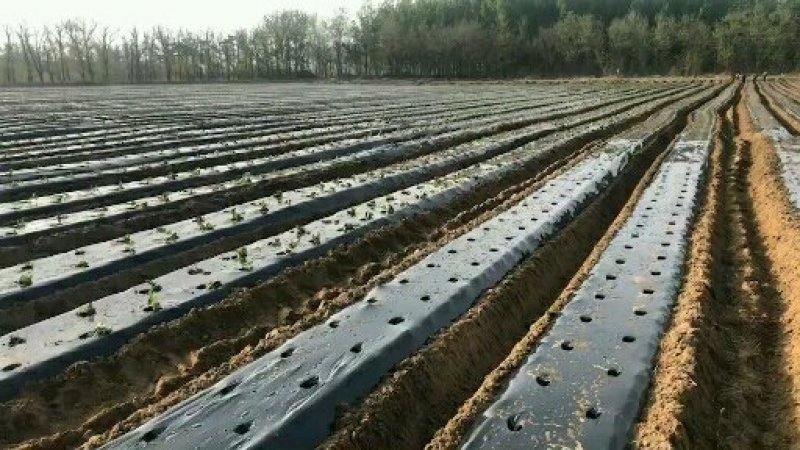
[348, 110]
[129, 166]
[133, 195]
[254, 171]
[135, 150]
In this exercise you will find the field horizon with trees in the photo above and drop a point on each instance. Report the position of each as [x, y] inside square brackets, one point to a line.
[423, 38]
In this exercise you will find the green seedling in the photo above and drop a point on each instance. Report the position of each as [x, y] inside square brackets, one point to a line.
[315, 239]
[153, 304]
[241, 254]
[235, 216]
[87, 310]
[300, 231]
[173, 237]
[244, 264]
[101, 330]
[351, 212]
[25, 280]
[26, 266]
[201, 222]
[82, 264]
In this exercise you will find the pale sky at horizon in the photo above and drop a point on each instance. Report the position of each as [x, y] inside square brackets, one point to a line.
[198, 15]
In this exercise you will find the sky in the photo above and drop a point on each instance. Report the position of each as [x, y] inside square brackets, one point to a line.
[222, 15]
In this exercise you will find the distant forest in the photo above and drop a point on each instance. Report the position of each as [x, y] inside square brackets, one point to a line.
[425, 38]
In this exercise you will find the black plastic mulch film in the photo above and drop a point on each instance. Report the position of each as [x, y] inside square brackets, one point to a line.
[288, 398]
[122, 312]
[584, 384]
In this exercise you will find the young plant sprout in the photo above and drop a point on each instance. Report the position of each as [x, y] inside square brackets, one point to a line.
[25, 280]
[153, 304]
[202, 224]
[101, 330]
[241, 254]
[86, 310]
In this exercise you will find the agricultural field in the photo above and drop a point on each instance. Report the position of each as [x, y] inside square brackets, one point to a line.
[552, 264]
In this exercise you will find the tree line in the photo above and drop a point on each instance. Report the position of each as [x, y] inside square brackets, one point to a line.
[424, 38]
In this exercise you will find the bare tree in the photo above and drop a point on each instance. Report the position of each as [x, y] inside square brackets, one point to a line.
[105, 52]
[48, 50]
[338, 30]
[11, 77]
[81, 38]
[167, 55]
[59, 37]
[56, 53]
[31, 46]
